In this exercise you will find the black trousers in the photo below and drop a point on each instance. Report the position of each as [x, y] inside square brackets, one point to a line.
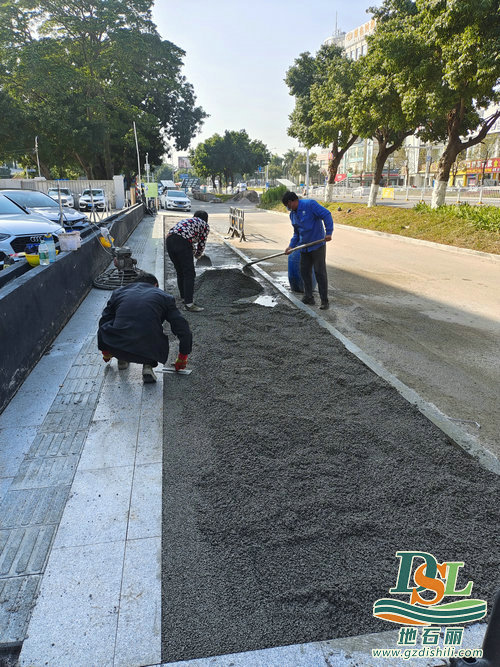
[314, 259]
[180, 252]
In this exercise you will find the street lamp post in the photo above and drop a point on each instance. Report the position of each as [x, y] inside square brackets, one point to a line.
[37, 159]
[307, 172]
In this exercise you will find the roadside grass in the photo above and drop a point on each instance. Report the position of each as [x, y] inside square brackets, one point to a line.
[223, 197]
[465, 226]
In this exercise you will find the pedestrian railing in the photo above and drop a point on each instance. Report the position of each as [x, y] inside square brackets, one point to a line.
[454, 194]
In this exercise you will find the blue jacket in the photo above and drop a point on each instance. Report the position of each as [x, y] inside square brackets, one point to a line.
[310, 222]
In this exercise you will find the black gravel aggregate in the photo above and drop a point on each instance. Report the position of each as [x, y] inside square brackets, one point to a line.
[292, 475]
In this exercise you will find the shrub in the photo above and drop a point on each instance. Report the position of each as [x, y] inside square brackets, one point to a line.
[481, 217]
[273, 195]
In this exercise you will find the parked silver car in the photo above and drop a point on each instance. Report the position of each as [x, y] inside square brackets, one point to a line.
[18, 228]
[67, 198]
[33, 201]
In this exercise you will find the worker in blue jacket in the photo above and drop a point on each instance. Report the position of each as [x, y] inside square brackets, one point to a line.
[311, 222]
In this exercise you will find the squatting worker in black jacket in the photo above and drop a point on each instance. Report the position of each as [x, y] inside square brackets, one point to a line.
[131, 327]
[186, 242]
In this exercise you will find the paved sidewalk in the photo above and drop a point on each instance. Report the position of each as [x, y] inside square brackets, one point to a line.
[80, 499]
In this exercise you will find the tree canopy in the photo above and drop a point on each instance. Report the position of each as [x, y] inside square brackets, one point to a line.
[226, 156]
[80, 73]
[322, 86]
[443, 58]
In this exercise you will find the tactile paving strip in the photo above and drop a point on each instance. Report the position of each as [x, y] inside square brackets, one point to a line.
[32, 507]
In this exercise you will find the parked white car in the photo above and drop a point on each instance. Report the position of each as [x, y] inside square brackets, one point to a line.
[18, 228]
[66, 195]
[93, 199]
[175, 200]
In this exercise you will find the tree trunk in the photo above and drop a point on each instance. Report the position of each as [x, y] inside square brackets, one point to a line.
[445, 163]
[108, 162]
[86, 168]
[372, 198]
[333, 165]
[44, 170]
[383, 153]
[380, 160]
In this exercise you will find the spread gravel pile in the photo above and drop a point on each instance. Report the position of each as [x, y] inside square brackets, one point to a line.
[292, 475]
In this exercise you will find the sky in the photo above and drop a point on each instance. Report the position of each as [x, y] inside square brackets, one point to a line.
[238, 53]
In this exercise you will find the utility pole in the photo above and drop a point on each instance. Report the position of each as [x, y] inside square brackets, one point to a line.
[36, 152]
[307, 172]
[138, 158]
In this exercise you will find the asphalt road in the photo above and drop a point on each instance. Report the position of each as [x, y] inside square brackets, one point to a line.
[429, 313]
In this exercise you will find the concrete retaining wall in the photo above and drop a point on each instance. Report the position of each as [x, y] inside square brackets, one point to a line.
[35, 306]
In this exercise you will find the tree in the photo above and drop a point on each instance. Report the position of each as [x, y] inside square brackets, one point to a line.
[322, 86]
[229, 155]
[164, 172]
[299, 166]
[275, 169]
[83, 72]
[376, 109]
[444, 60]
[288, 159]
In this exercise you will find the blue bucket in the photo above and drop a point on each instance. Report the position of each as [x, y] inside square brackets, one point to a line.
[294, 277]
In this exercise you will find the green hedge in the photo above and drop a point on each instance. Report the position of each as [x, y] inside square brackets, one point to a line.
[273, 195]
[481, 217]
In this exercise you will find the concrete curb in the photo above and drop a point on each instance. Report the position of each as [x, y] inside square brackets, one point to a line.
[459, 437]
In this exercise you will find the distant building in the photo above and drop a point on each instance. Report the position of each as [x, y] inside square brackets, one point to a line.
[355, 44]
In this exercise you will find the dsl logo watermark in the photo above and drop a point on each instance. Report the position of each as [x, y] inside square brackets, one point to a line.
[438, 578]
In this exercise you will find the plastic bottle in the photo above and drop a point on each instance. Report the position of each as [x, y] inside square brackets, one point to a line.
[48, 239]
[43, 254]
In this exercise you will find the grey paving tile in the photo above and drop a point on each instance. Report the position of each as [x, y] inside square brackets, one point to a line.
[57, 444]
[298, 655]
[145, 506]
[67, 420]
[150, 440]
[5, 483]
[44, 472]
[110, 443]
[140, 605]
[16, 601]
[121, 390]
[24, 507]
[97, 509]
[14, 444]
[24, 550]
[75, 618]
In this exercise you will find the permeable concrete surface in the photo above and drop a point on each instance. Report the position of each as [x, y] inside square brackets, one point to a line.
[80, 511]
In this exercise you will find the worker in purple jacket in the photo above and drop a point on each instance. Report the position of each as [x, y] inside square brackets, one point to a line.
[311, 222]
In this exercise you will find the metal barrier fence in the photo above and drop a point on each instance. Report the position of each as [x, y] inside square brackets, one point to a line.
[237, 223]
[454, 194]
[75, 186]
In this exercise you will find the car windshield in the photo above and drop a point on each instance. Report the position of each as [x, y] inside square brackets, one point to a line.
[31, 198]
[95, 193]
[8, 207]
[54, 191]
[176, 194]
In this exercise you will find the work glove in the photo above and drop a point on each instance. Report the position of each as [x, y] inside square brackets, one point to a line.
[106, 356]
[181, 362]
